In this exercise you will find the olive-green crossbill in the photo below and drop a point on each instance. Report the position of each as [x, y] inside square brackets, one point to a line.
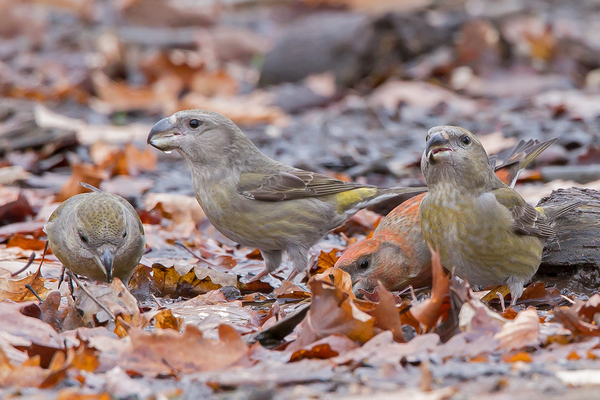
[396, 255]
[482, 228]
[97, 235]
[255, 200]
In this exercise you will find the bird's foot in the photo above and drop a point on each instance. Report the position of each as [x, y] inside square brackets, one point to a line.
[259, 276]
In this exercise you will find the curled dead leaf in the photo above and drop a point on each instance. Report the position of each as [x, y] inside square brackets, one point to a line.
[431, 310]
[333, 311]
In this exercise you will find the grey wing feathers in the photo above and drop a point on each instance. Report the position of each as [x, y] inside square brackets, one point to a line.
[289, 185]
[528, 221]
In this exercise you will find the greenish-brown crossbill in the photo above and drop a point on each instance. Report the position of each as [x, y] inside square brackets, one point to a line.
[396, 255]
[255, 200]
[483, 229]
[97, 235]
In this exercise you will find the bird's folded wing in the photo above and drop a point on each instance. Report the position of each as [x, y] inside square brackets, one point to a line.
[289, 185]
[526, 219]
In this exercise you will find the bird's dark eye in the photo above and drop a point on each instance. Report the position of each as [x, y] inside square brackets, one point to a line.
[83, 238]
[194, 123]
[364, 264]
[465, 140]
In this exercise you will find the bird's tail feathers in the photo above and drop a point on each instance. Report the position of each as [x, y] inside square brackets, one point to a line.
[520, 157]
[383, 194]
[90, 187]
[553, 212]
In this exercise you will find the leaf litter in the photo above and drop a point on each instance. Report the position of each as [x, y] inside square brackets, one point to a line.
[190, 324]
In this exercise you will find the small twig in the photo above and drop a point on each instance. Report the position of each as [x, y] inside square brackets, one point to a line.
[160, 306]
[186, 248]
[91, 296]
[29, 262]
[567, 299]
[28, 286]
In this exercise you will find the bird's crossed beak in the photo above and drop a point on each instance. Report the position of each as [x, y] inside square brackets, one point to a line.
[105, 261]
[164, 135]
[438, 147]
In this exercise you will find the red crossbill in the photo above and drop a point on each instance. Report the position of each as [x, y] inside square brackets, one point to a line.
[483, 229]
[98, 235]
[396, 254]
[254, 200]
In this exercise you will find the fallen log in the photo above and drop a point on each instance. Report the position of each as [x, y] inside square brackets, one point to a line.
[577, 239]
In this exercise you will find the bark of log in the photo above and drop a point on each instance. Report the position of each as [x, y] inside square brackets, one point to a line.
[352, 46]
[19, 131]
[577, 241]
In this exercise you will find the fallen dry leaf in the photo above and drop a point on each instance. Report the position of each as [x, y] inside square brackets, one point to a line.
[114, 296]
[244, 110]
[420, 95]
[328, 347]
[169, 281]
[166, 352]
[521, 332]
[333, 311]
[118, 96]
[26, 242]
[431, 310]
[209, 311]
[14, 288]
[180, 208]
[338, 278]
[15, 211]
[41, 338]
[386, 314]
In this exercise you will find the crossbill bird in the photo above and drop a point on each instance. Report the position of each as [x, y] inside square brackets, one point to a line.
[97, 235]
[396, 255]
[483, 229]
[255, 200]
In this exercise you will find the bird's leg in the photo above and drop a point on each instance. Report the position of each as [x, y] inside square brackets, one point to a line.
[62, 277]
[299, 258]
[272, 262]
[515, 284]
[501, 298]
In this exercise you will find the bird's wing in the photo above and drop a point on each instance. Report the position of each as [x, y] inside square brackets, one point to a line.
[526, 219]
[289, 185]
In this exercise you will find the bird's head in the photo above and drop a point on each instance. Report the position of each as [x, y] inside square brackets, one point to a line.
[373, 261]
[100, 230]
[454, 154]
[200, 136]
[358, 262]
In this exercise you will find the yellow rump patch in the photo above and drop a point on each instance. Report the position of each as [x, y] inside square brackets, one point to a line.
[346, 200]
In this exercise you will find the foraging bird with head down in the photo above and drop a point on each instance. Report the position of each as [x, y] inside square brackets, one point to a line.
[482, 228]
[98, 235]
[396, 255]
[255, 200]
